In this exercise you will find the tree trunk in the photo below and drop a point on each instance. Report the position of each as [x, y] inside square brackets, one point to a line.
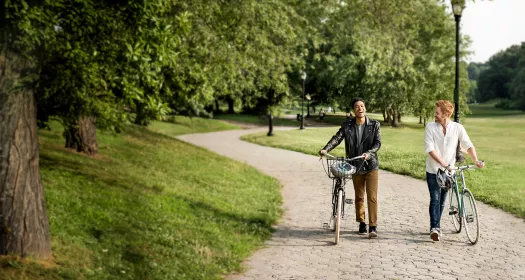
[395, 119]
[384, 115]
[420, 119]
[230, 105]
[141, 118]
[82, 136]
[217, 108]
[308, 109]
[88, 135]
[388, 115]
[399, 118]
[24, 227]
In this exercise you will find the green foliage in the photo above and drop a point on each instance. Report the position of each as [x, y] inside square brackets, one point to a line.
[396, 55]
[111, 58]
[153, 57]
[495, 81]
[502, 78]
[474, 69]
[150, 207]
[241, 51]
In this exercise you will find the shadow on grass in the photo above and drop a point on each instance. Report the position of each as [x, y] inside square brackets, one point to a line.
[90, 170]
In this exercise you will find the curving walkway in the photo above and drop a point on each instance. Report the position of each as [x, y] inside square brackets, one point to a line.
[301, 249]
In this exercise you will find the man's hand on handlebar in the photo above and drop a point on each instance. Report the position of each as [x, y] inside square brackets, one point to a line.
[480, 163]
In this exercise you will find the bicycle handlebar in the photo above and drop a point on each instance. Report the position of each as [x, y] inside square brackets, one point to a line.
[465, 167]
[346, 159]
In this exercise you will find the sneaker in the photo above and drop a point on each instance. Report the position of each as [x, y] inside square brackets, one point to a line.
[434, 234]
[362, 228]
[372, 233]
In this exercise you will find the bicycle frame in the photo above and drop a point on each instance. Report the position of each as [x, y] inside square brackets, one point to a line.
[460, 189]
[459, 180]
[338, 184]
[339, 180]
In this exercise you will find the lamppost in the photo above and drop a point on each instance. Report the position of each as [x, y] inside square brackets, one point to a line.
[302, 103]
[457, 9]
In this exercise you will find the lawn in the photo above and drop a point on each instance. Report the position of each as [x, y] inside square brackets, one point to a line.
[178, 125]
[498, 136]
[257, 120]
[148, 207]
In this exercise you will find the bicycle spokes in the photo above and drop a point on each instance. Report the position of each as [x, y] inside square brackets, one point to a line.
[471, 217]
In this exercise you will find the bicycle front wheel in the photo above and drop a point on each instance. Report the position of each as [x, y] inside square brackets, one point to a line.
[454, 210]
[338, 215]
[471, 218]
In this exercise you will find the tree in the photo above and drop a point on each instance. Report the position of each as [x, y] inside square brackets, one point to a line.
[117, 58]
[517, 85]
[24, 227]
[47, 49]
[495, 81]
[238, 53]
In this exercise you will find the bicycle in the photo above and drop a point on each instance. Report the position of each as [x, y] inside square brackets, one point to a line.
[462, 205]
[340, 171]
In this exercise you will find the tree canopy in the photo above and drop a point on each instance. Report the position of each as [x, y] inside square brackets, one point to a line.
[502, 78]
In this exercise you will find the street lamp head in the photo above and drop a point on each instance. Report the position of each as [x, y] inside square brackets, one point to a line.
[303, 75]
[457, 7]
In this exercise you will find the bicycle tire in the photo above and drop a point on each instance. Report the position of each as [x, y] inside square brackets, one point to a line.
[471, 219]
[454, 210]
[338, 215]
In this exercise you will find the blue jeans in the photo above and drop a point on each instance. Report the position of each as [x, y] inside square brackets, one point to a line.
[438, 197]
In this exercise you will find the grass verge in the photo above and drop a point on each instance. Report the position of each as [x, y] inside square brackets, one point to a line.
[148, 207]
[178, 125]
[257, 120]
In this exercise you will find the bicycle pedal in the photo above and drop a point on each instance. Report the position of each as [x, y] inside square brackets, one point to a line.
[349, 201]
[453, 212]
[326, 226]
[470, 219]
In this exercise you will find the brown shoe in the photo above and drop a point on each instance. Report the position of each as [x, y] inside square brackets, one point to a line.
[434, 234]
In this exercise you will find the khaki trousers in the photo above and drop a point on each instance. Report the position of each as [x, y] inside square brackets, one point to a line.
[368, 182]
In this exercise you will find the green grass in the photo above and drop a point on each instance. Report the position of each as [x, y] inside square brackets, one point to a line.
[177, 125]
[241, 118]
[148, 207]
[498, 136]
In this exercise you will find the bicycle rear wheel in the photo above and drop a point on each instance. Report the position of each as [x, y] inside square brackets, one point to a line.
[471, 219]
[338, 215]
[454, 210]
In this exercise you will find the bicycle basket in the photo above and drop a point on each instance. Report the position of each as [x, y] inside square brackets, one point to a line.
[338, 168]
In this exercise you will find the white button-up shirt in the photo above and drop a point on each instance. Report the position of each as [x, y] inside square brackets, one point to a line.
[444, 145]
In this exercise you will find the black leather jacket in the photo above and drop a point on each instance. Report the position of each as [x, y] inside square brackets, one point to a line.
[370, 143]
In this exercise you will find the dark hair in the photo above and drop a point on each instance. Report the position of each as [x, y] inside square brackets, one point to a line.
[357, 99]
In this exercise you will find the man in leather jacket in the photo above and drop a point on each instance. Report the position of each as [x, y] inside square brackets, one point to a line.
[362, 137]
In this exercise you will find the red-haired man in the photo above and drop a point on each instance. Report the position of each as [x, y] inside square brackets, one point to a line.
[441, 140]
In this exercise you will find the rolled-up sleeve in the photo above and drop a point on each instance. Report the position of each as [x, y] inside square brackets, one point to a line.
[429, 140]
[464, 139]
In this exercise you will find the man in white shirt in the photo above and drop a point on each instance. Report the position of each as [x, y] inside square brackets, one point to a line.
[441, 140]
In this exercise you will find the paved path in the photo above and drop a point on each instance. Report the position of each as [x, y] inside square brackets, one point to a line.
[301, 249]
